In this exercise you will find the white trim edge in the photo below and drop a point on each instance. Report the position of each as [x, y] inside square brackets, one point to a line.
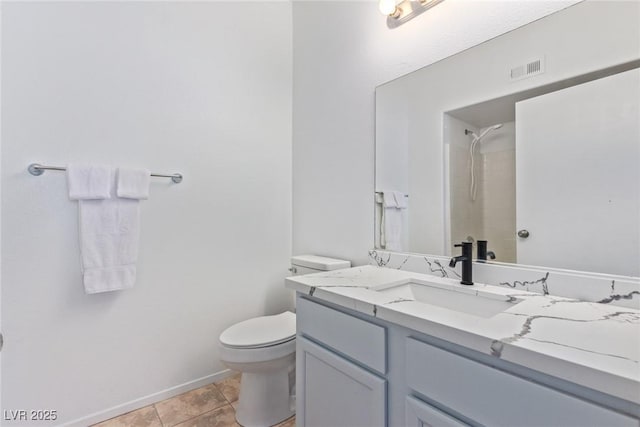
[141, 402]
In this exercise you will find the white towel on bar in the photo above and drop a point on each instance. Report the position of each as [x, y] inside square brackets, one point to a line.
[401, 199]
[394, 204]
[388, 199]
[133, 183]
[89, 182]
[109, 234]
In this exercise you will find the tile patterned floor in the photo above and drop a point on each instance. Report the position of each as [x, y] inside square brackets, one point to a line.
[209, 406]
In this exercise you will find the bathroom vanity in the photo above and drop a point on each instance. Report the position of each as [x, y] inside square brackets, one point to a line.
[379, 346]
[553, 118]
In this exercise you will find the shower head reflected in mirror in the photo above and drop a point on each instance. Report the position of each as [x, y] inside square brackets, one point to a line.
[484, 132]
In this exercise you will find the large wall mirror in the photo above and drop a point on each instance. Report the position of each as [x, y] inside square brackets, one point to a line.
[530, 141]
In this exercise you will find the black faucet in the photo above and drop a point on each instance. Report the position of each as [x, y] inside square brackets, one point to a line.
[467, 262]
[483, 253]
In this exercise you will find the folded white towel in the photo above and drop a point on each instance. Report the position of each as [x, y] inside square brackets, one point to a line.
[388, 199]
[393, 229]
[401, 200]
[133, 183]
[89, 182]
[392, 221]
[109, 234]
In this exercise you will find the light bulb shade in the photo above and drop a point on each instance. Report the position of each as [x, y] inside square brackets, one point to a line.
[387, 7]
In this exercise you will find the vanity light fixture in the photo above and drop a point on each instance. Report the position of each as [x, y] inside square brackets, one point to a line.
[400, 11]
[390, 8]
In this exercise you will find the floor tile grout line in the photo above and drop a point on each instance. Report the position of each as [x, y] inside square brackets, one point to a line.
[184, 421]
[196, 416]
[200, 415]
[225, 396]
[158, 413]
[228, 401]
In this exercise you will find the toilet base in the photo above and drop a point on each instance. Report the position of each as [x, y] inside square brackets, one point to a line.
[265, 398]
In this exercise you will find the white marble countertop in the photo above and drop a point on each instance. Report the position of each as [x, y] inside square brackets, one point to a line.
[591, 344]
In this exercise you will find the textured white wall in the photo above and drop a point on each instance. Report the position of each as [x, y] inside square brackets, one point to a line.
[198, 88]
[342, 51]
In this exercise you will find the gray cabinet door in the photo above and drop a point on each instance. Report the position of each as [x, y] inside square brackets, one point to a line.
[335, 392]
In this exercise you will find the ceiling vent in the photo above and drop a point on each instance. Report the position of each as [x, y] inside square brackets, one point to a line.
[528, 69]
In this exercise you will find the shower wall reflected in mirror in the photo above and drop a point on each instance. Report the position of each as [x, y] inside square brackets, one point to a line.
[482, 185]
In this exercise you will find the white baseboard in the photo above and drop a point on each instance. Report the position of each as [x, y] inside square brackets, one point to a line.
[141, 402]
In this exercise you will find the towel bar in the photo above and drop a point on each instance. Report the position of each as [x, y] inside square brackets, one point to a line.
[380, 192]
[36, 169]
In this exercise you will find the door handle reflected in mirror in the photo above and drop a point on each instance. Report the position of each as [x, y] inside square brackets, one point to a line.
[523, 233]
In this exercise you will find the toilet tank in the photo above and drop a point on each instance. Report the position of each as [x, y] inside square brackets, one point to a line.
[307, 264]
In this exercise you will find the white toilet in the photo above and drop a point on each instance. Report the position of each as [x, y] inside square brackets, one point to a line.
[263, 349]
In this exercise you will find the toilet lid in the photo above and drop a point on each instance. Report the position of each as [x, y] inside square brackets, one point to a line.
[261, 331]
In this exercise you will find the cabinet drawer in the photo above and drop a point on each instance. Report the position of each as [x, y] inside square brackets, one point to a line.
[353, 337]
[421, 414]
[493, 397]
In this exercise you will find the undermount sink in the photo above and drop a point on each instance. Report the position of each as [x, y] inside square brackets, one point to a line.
[469, 301]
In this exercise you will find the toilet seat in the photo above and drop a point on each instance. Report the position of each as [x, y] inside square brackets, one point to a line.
[260, 332]
[263, 349]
